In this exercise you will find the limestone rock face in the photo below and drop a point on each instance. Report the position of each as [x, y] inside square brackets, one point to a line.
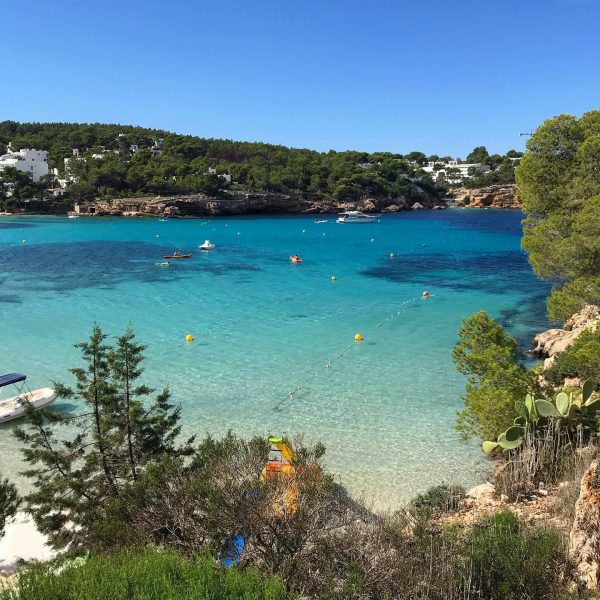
[553, 341]
[494, 196]
[584, 541]
[417, 206]
[238, 203]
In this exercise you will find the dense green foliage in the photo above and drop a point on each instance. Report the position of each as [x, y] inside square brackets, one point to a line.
[78, 462]
[581, 359]
[9, 502]
[489, 357]
[559, 182]
[163, 575]
[510, 562]
[181, 164]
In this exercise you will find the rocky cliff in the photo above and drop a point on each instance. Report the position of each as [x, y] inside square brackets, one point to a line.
[553, 341]
[494, 196]
[241, 203]
[584, 541]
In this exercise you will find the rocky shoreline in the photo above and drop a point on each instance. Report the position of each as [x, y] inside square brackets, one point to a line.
[246, 203]
[270, 203]
[494, 196]
[249, 203]
[551, 342]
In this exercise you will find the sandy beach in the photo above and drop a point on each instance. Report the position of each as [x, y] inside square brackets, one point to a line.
[22, 541]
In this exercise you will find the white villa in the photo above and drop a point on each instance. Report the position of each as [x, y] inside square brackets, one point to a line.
[438, 169]
[30, 161]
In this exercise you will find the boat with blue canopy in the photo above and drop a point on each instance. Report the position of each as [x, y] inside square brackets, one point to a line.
[15, 406]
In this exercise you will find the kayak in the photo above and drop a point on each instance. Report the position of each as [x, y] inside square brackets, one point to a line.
[177, 256]
[295, 260]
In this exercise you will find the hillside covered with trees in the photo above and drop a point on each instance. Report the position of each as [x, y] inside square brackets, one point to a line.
[119, 161]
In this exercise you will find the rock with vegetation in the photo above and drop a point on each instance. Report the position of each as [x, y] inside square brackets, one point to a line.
[553, 341]
[584, 543]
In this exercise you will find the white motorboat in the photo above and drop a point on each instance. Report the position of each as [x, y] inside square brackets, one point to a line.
[355, 216]
[208, 245]
[14, 407]
[73, 217]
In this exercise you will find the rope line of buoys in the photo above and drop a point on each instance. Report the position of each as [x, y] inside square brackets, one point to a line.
[359, 337]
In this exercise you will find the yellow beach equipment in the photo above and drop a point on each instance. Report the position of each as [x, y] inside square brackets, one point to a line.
[282, 477]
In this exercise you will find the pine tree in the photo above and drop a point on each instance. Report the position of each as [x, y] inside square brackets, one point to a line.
[80, 462]
[9, 502]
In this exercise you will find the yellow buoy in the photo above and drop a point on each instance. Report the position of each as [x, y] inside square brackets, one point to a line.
[333, 278]
[189, 337]
[425, 294]
[358, 337]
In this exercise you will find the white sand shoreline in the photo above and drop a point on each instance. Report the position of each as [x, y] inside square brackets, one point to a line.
[22, 541]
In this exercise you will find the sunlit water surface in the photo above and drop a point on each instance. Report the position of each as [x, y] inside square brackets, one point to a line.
[264, 327]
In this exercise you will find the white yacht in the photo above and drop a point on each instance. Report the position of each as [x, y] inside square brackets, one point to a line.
[13, 408]
[355, 216]
[208, 245]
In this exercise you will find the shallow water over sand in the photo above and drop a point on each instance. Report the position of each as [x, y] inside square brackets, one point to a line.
[264, 327]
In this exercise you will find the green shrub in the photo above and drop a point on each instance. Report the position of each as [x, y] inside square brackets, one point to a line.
[496, 377]
[508, 561]
[147, 576]
[582, 360]
[439, 498]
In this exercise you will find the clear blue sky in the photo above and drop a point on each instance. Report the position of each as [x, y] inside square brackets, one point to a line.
[394, 75]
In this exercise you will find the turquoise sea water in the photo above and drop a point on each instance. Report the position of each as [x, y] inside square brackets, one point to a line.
[264, 327]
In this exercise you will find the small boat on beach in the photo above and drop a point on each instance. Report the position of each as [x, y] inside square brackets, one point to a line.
[208, 245]
[355, 216]
[14, 407]
[177, 254]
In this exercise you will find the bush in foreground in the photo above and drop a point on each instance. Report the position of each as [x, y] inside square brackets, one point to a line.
[150, 575]
[509, 561]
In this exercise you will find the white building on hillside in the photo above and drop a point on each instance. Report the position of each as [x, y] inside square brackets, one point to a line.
[34, 162]
[461, 170]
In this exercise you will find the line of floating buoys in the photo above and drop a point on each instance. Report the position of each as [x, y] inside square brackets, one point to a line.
[358, 337]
